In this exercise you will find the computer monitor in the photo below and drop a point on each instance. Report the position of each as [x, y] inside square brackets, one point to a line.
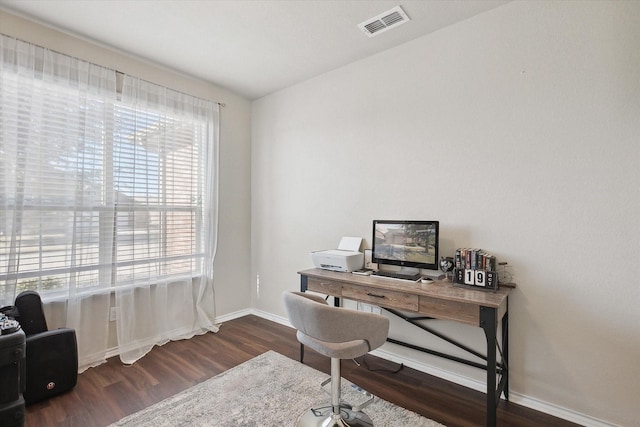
[406, 243]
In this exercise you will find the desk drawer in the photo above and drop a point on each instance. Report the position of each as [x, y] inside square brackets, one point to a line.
[450, 310]
[324, 286]
[383, 297]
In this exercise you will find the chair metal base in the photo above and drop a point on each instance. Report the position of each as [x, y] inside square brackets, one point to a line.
[324, 417]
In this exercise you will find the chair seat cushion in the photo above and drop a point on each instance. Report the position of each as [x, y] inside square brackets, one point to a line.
[340, 350]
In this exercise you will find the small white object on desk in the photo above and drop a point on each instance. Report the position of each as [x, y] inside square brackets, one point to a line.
[363, 272]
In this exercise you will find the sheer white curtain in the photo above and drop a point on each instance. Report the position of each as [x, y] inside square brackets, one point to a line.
[54, 112]
[108, 193]
[175, 148]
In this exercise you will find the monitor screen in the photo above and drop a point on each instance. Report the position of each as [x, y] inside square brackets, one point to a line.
[406, 243]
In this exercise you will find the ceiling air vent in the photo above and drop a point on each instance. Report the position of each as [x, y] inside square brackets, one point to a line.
[383, 22]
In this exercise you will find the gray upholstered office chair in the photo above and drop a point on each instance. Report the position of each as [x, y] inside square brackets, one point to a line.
[338, 333]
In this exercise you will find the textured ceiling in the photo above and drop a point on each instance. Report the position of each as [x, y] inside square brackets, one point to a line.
[250, 47]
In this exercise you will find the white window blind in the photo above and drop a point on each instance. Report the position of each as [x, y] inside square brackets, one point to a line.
[157, 181]
[97, 189]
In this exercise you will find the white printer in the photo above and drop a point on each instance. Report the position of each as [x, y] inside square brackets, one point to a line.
[346, 258]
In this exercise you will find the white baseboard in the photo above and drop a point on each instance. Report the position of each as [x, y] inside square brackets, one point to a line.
[560, 412]
[278, 319]
[234, 315]
[529, 402]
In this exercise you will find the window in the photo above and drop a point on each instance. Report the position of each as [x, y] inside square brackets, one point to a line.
[157, 175]
[98, 188]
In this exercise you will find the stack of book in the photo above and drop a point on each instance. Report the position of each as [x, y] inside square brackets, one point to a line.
[475, 259]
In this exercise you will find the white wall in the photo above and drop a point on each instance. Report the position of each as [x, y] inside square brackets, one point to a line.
[519, 130]
[231, 275]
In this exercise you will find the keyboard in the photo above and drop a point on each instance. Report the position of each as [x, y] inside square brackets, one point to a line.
[395, 275]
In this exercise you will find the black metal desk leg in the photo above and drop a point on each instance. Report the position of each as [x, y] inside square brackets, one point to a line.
[489, 323]
[304, 280]
[505, 353]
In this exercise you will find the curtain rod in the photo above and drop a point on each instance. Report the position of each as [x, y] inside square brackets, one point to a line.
[120, 74]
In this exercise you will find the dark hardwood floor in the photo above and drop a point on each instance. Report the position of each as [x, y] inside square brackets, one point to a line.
[111, 391]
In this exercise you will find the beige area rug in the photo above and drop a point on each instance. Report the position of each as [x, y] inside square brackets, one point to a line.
[266, 391]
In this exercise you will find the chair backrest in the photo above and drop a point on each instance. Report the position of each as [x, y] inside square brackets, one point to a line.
[313, 317]
[31, 313]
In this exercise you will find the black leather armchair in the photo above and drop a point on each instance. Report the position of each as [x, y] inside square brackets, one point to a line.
[51, 355]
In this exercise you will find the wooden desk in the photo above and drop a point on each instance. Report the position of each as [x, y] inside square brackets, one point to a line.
[435, 300]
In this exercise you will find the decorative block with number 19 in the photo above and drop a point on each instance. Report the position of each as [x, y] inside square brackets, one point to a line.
[476, 279]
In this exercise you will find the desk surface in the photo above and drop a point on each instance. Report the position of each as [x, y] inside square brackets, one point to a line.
[435, 289]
